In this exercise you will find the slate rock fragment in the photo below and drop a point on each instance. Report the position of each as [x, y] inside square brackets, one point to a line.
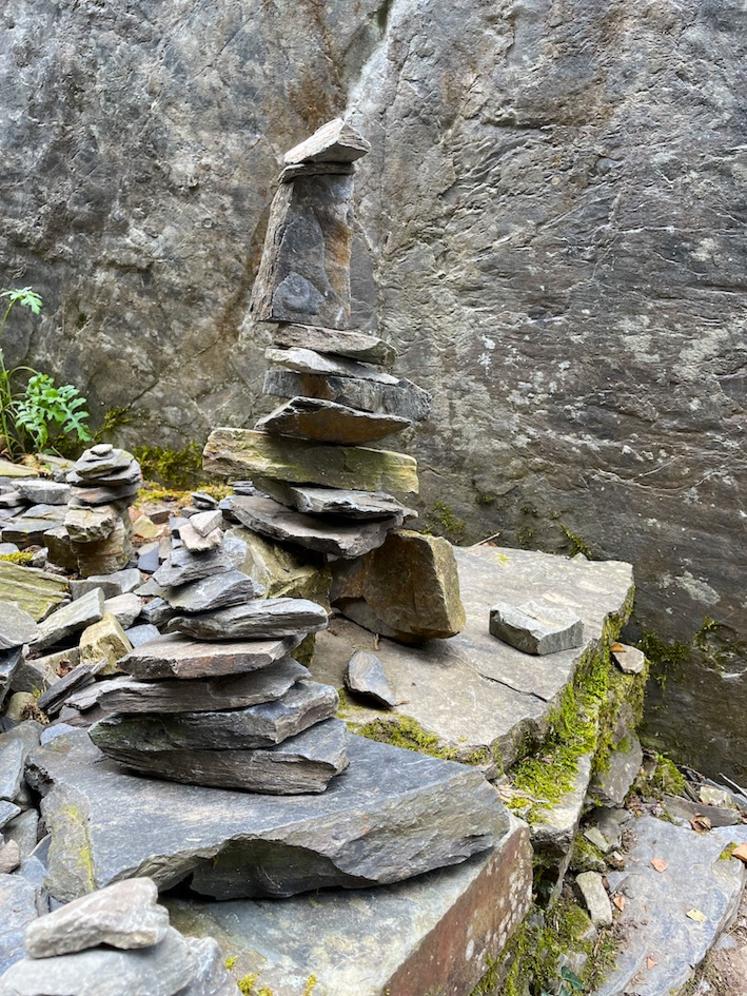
[536, 627]
[365, 675]
[328, 422]
[173, 656]
[262, 619]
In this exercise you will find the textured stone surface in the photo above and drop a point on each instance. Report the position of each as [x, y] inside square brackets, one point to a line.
[211, 977]
[365, 675]
[631, 660]
[236, 452]
[354, 345]
[334, 501]
[176, 657]
[595, 898]
[610, 786]
[306, 361]
[404, 399]
[124, 608]
[43, 492]
[261, 619]
[329, 422]
[116, 583]
[69, 620]
[10, 661]
[182, 566]
[17, 908]
[536, 627]
[16, 626]
[281, 572]
[122, 915]
[214, 592]
[14, 749]
[35, 591]
[393, 814]
[81, 676]
[90, 525]
[104, 641]
[335, 142]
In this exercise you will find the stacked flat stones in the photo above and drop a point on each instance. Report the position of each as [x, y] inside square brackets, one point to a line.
[320, 486]
[104, 483]
[220, 700]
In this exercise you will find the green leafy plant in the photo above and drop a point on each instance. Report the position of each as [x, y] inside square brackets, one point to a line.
[37, 412]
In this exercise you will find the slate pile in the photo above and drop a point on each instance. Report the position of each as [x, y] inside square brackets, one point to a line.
[219, 700]
[30, 509]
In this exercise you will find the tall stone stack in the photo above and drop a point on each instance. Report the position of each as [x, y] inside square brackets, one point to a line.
[104, 483]
[319, 484]
[221, 701]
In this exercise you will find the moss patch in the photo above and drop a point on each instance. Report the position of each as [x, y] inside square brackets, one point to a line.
[664, 778]
[21, 557]
[443, 520]
[174, 468]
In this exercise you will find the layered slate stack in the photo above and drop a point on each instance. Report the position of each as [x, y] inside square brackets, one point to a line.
[105, 483]
[222, 702]
[322, 487]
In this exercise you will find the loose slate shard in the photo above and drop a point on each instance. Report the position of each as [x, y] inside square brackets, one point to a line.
[355, 345]
[306, 361]
[71, 619]
[392, 814]
[301, 764]
[342, 502]
[327, 422]
[215, 592]
[335, 142]
[258, 620]
[182, 566]
[537, 627]
[403, 399]
[365, 675]
[175, 657]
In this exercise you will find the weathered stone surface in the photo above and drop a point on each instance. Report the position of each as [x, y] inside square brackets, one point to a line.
[424, 813]
[26, 531]
[697, 877]
[300, 764]
[405, 399]
[70, 619]
[10, 857]
[231, 452]
[60, 549]
[407, 589]
[183, 566]
[195, 542]
[15, 746]
[280, 572]
[631, 660]
[214, 592]
[304, 272]
[554, 830]
[7, 812]
[17, 908]
[354, 345]
[161, 970]
[327, 422]
[474, 694]
[107, 556]
[610, 786]
[10, 661]
[81, 675]
[211, 977]
[16, 626]
[123, 915]
[176, 657]
[340, 539]
[261, 619]
[128, 695]
[334, 142]
[365, 676]
[144, 633]
[437, 933]
[104, 641]
[24, 830]
[116, 583]
[537, 627]
[90, 525]
[205, 522]
[125, 608]
[43, 492]
[34, 591]
[595, 898]
[334, 501]
[306, 361]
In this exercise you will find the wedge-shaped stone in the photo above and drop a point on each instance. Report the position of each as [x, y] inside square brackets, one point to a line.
[235, 452]
[392, 815]
[335, 142]
[306, 361]
[340, 539]
[204, 523]
[537, 627]
[365, 675]
[403, 399]
[262, 725]
[176, 657]
[301, 764]
[123, 915]
[34, 591]
[197, 543]
[10, 663]
[215, 592]
[70, 619]
[339, 502]
[261, 619]
[328, 422]
[161, 970]
[81, 676]
[354, 345]
[128, 695]
[16, 626]
[15, 746]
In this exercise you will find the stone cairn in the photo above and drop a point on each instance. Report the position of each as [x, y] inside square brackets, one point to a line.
[104, 483]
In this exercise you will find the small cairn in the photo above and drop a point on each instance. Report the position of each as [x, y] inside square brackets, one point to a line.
[104, 483]
[221, 701]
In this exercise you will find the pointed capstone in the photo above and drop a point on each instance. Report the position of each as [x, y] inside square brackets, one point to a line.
[335, 142]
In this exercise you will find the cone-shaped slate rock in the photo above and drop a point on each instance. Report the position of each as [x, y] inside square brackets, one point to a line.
[257, 620]
[327, 422]
[176, 657]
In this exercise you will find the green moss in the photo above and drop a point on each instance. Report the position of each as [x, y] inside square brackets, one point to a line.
[577, 544]
[174, 468]
[728, 851]
[115, 418]
[20, 557]
[585, 856]
[442, 519]
[664, 779]
[248, 986]
[402, 731]
[230, 962]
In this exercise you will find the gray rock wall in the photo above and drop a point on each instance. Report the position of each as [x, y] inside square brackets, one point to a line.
[551, 229]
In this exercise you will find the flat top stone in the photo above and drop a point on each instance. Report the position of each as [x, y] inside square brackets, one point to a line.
[16, 626]
[308, 361]
[329, 422]
[472, 691]
[173, 656]
[339, 502]
[335, 141]
[354, 345]
[262, 619]
[216, 591]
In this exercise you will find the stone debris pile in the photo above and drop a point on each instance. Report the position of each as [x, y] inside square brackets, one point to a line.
[220, 700]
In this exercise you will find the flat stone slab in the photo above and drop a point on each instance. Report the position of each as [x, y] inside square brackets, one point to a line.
[536, 627]
[661, 956]
[215, 592]
[327, 422]
[438, 933]
[177, 657]
[18, 907]
[391, 815]
[338, 502]
[183, 566]
[308, 361]
[261, 619]
[34, 591]
[354, 345]
[44, 492]
[240, 452]
[336, 142]
[71, 619]
[472, 692]
[16, 626]
[403, 399]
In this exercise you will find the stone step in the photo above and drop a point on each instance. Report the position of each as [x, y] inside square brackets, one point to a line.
[339, 502]
[262, 619]
[354, 345]
[327, 422]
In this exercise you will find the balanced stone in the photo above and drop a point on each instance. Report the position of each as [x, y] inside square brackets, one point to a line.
[16, 626]
[261, 725]
[90, 525]
[340, 539]
[123, 915]
[537, 627]
[405, 399]
[365, 675]
[43, 492]
[359, 346]
[175, 657]
[183, 566]
[306, 361]
[128, 695]
[34, 591]
[327, 422]
[205, 522]
[197, 543]
[214, 592]
[394, 814]
[341, 502]
[258, 620]
[232, 452]
[301, 764]
[70, 619]
[336, 142]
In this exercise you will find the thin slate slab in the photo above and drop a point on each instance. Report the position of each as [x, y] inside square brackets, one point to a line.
[537, 627]
[18, 907]
[129, 695]
[354, 345]
[10, 664]
[16, 626]
[261, 619]
[336, 142]
[33, 590]
[338, 538]
[42, 491]
[173, 656]
[365, 676]
[404, 399]
[71, 619]
[301, 764]
[15, 746]
[337, 502]
[214, 592]
[236, 452]
[391, 815]
[307, 361]
[327, 422]
[183, 566]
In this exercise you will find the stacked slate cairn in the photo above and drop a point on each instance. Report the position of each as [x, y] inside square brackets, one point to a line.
[220, 700]
[104, 483]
